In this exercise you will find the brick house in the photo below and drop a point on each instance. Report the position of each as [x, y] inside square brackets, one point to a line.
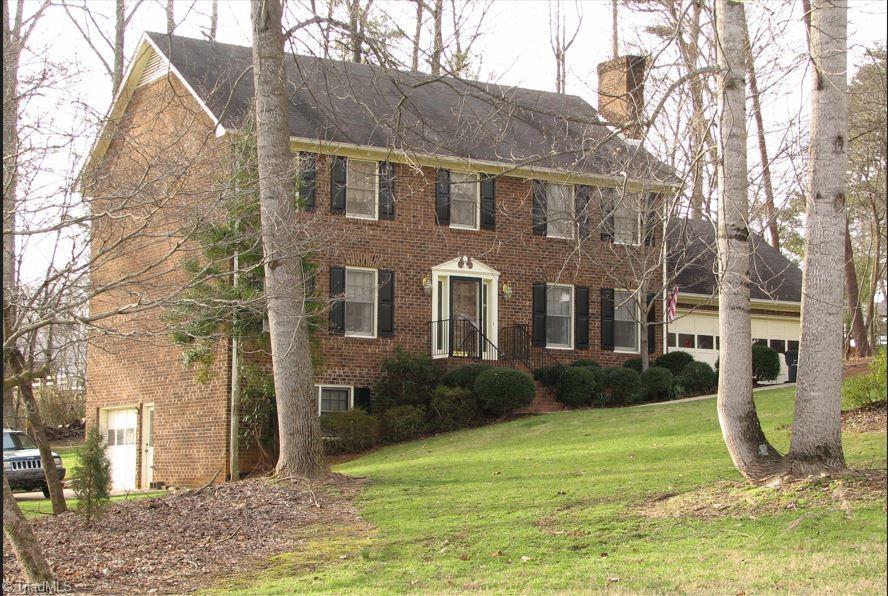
[468, 221]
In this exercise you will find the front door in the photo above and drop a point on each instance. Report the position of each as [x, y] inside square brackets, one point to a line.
[147, 446]
[121, 448]
[466, 319]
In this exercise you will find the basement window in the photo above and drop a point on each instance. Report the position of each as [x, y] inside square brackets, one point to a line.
[334, 398]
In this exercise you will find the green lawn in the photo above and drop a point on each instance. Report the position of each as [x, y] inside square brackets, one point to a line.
[551, 503]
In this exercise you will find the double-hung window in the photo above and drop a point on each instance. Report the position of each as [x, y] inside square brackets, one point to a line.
[360, 302]
[625, 322]
[334, 399]
[560, 211]
[559, 317]
[626, 224]
[361, 189]
[465, 203]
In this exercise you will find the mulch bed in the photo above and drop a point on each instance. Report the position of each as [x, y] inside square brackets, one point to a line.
[740, 499]
[190, 540]
[869, 418]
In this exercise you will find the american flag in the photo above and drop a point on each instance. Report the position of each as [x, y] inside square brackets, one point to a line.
[671, 304]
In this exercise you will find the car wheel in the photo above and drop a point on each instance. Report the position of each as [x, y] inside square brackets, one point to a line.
[45, 490]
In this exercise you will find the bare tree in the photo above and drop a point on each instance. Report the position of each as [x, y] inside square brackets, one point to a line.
[301, 451]
[417, 34]
[816, 444]
[170, 16]
[751, 452]
[561, 41]
[437, 37]
[25, 545]
[214, 19]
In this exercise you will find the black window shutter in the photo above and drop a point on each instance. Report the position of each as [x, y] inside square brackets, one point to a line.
[362, 398]
[442, 197]
[581, 207]
[308, 176]
[581, 318]
[386, 190]
[337, 302]
[385, 322]
[338, 178]
[488, 202]
[651, 323]
[539, 207]
[539, 314]
[607, 214]
[607, 318]
[650, 219]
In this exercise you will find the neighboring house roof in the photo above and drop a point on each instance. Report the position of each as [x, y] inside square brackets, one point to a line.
[692, 260]
[369, 106]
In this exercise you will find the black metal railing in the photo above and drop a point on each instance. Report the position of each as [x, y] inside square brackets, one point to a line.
[461, 338]
[517, 344]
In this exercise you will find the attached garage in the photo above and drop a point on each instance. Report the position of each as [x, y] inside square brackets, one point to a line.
[120, 434]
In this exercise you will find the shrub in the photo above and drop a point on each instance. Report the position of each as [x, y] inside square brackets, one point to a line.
[503, 390]
[633, 363]
[862, 390]
[464, 376]
[697, 378]
[658, 383]
[91, 477]
[453, 408]
[624, 384]
[550, 376]
[765, 363]
[406, 379]
[585, 362]
[402, 423]
[580, 387]
[674, 361]
[349, 432]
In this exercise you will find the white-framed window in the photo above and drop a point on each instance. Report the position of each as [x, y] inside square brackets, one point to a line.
[627, 222]
[626, 327]
[360, 302]
[560, 211]
[559, 316]
[335, 398]
[465, 200]
[361, 189]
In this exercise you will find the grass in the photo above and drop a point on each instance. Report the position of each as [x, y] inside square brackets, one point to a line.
[553, 503]
[41, 507]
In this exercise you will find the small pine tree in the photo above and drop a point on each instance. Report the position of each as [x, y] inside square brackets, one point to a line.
[92, 477]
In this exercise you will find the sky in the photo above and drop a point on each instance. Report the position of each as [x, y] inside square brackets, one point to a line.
[514, 49]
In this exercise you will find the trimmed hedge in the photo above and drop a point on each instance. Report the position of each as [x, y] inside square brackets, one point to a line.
[580, 387]
[765, 363]
[625, 386]
[349, 432]
[587, 362]
[402, 423]
[501, 391]
[658, 383]
[633, 363]
[453, 408]
[550, 376]
[464, 376]
[674, 361]
[406, 379]
[697, 378]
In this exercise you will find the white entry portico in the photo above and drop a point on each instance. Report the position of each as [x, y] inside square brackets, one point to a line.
[464, 297]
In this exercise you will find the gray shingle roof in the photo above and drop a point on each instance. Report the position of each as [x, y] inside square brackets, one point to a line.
[368, 105]
[692, 254]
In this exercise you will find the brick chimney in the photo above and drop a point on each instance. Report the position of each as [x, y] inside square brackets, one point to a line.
[621, 94]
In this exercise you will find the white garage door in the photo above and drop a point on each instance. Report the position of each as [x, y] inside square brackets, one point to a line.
[121, 436]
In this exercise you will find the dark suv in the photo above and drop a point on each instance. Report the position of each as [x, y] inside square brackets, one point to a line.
[22, 465]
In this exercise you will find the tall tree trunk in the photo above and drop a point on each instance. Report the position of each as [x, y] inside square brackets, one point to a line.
[171, 16]
[354, 23]
[119, 46]
[615, 29]
[417, 34]
[25, 545]
[770, 211]
[816, 444]
[753, 456]
[301, 449]
[858, 328]
[214, 19]
[438, 40]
